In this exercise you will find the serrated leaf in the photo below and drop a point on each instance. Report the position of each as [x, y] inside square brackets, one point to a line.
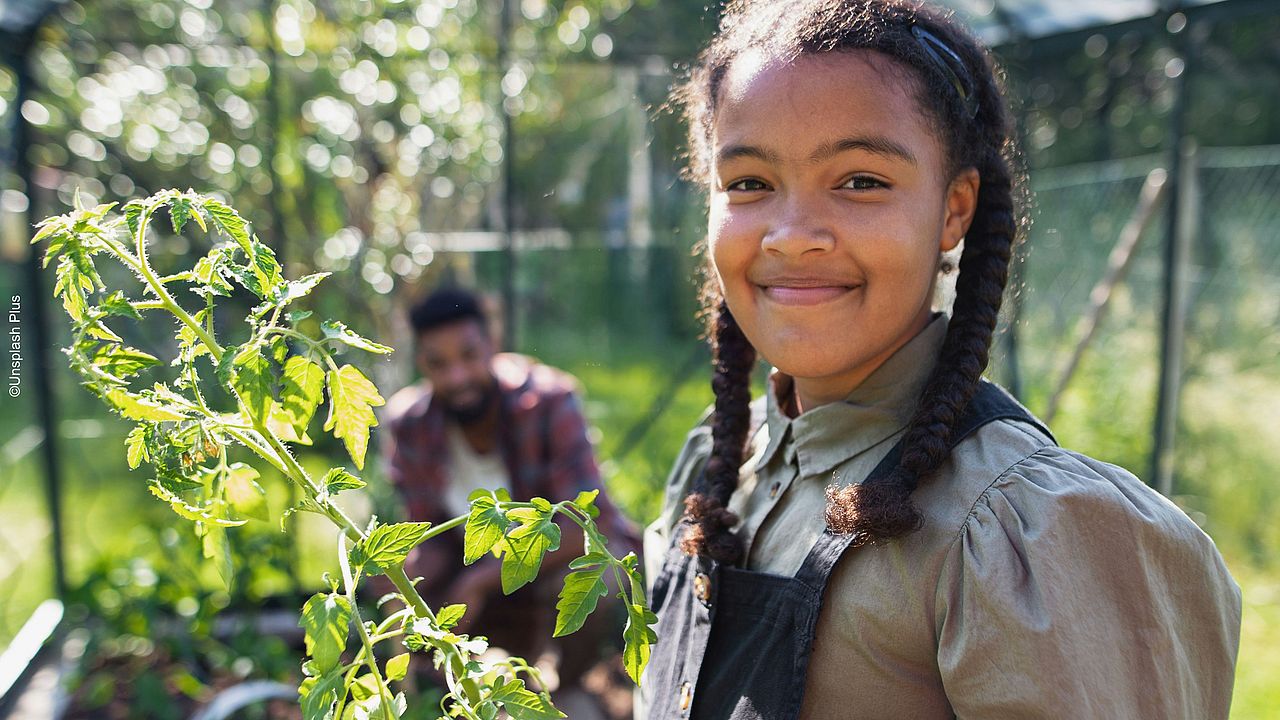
[251, 378]
[578, 598]
[337, 480]
[244, 493]
[398, 667]
[266, 269]
[180, 210]
[485, 526]
[278, 423]
[189, 511]
[289, 291]
[301, 390]
[122, 362]
[389, 545]
[639, 638]
[318, 695]
[117, 304]
[132, 214]
[136, 446]
[522, 704]
[229, 222]
[326, 619]
[524, 547]
[352, 398]
[334, 330]
[136, 407]
[450, 615]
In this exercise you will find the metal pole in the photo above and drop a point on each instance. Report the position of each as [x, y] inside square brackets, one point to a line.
[1181, 226]
[38, 327]
[277, 237]
[509, 319]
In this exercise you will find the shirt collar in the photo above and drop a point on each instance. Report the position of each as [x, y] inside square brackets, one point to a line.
[881, 406]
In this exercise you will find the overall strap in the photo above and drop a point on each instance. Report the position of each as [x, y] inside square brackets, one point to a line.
[989, 404]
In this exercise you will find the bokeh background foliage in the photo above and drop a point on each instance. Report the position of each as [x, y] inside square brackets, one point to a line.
[401, 144]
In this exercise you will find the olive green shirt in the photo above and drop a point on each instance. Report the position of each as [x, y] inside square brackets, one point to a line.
[1043, 584]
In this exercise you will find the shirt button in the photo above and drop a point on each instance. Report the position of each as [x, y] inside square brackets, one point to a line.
[686, 696]
[702, 587]
[773, 489]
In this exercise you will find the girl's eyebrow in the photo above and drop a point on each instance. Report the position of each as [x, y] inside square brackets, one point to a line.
[876, 144]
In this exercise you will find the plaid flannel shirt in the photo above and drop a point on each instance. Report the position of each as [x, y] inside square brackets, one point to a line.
[542, 438]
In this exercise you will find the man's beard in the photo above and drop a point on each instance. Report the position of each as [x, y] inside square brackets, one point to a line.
[472, 413]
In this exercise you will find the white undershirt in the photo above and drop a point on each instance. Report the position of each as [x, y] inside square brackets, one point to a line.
[470, 471]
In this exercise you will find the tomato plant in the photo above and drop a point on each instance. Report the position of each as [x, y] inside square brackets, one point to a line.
[211, 413]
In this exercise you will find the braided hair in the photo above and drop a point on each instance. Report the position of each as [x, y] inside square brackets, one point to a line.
[959, 90]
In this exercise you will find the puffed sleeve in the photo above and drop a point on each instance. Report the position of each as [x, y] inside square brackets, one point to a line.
[1074, 590]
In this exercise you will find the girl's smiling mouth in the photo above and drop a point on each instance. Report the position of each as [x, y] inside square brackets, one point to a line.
[804, 290]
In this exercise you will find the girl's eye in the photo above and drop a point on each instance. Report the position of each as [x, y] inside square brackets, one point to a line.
[746, 185]
[864, 182]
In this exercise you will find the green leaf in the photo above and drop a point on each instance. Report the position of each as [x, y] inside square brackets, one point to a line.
[337, 480]
[229, 222]
[265, 268]
[449, 616]
[522, 704]
[189, 511]
[180, 210]
[485, 526]
[586, 502]
[136, 407]
[278, 423]
[398, 667]
[117, 304]
[326, 620]
[639, 638]
[301, 391]
[213, 541]
[319, 694]
[389, 545]
[251, 378]
[132, 215]
[290, 291]
[244, 493]
[136, 446]
[334, 330]
[122, 362]
[582, 591]
[524, 547]
[364, 687]
[351, 401]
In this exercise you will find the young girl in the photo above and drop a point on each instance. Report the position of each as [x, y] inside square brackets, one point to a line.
[892, 536]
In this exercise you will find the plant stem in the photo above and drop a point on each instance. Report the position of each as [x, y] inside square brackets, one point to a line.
[158, 288]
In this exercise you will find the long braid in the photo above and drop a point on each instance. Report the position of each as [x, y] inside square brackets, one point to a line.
[883, 509]
[710, 532]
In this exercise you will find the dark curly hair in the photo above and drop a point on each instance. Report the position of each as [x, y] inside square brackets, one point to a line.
[959, 89]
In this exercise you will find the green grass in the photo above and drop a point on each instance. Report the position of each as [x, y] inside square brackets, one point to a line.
[1257, 691]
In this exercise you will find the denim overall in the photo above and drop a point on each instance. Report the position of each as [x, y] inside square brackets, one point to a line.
[734, 644]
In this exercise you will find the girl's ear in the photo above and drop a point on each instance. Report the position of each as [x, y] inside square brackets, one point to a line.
[962, 202]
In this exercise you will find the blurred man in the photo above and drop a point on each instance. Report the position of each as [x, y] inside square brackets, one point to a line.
[481, 419]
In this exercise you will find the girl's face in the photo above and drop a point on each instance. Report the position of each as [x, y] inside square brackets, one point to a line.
[829, 207]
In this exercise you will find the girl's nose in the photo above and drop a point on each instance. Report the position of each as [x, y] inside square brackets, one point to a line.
[800, 228]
